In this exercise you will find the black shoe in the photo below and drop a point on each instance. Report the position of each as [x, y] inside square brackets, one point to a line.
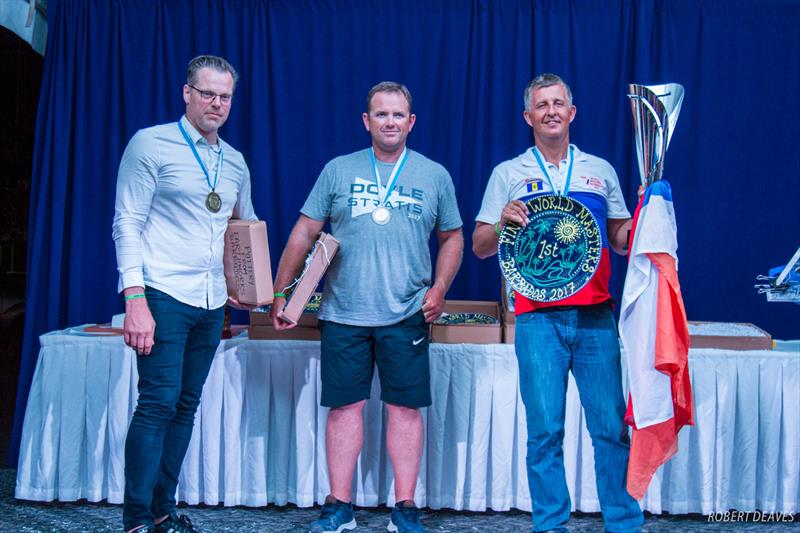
[176, 524]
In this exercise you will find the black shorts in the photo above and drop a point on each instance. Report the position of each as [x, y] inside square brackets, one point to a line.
[349, 355]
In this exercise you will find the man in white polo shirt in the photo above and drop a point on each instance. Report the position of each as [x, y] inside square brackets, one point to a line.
[576, 334]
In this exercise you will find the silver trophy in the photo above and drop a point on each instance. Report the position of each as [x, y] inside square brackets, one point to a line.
[655, 112]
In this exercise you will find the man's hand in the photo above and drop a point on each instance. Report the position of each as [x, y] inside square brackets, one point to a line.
[277, 306]
[236, 304]
[433, 304]
[139, 327]
[514, 211]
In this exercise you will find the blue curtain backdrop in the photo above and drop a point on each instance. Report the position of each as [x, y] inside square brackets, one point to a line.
[115, 66]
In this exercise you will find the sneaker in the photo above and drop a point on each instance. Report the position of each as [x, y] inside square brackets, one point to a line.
[405, 519]
[335, 517]
[176, 524]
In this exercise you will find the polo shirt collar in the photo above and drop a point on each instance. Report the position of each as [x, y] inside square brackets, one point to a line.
[527, 159]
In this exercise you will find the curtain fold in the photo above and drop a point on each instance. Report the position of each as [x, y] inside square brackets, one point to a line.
[113, 67]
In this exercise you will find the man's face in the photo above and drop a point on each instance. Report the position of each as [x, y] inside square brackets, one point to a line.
[208, 114]
[389, 121]
[550, 114]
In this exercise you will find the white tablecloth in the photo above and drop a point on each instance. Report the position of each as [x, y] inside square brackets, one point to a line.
[259, 432]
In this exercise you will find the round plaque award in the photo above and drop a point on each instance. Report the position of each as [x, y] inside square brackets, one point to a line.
[556, 254]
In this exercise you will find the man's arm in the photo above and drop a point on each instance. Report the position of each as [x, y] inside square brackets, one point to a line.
[485, 236]
[618, 229]
[451, 251]
[136, 183]
[303, 236]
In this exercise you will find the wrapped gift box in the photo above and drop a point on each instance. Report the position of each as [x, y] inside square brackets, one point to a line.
[319, 260]
[260, 315]
[469, 333]
[248, 273]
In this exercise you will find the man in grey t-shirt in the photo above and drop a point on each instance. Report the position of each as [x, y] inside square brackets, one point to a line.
[382, 204]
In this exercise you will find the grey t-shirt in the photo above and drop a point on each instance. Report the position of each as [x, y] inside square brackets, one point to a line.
[381, 272]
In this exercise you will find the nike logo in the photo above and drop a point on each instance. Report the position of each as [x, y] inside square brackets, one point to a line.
[416, 342]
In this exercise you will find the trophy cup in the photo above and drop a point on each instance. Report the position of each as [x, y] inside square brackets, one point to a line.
[655, 112]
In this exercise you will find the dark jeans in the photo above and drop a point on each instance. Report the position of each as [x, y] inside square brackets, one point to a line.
[171, 381]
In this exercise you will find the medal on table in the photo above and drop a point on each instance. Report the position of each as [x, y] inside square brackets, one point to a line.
[381, 215]
[213, 199]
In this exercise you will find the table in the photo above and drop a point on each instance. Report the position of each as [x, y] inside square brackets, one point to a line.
[259, 431]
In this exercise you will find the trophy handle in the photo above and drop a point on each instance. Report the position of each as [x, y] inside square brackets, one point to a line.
[658, 153]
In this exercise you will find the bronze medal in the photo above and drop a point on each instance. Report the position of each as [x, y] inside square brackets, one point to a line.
[213, 202]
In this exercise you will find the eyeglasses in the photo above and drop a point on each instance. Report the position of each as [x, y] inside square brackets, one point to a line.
[208, 96]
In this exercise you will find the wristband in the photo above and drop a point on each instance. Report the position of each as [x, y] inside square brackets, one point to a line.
[134, 296]
[497, 228]
[279, 295]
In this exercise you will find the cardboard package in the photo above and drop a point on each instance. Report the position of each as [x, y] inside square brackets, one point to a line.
[309, 317]
[507, 307]
[267, 332]
[728, 336]
[469, 333]
[319, 260]
[248, 272]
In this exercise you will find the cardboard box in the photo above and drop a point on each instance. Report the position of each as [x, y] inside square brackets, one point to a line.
[321, 255]
[469, 333]
[507, 302]
[508, 333]
[248, 273]
[309, 318]
[507, 308]
[296, 333]
[728, 336]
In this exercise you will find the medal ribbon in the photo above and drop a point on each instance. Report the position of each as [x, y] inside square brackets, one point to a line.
[200, 161]
[392, 178]
[564, 191]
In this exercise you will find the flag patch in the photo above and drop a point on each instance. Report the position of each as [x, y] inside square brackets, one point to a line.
[533, 185]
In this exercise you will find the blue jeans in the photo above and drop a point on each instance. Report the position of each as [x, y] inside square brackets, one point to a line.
[549, 344]
[171, 381]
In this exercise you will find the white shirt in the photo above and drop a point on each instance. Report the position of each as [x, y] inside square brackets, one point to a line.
[521, 178]
[165, 236]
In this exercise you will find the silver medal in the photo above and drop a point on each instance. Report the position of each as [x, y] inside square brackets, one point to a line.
[381, 216]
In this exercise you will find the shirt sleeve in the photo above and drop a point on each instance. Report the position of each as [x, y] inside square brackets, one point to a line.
[616, 201]
[495, 198]
[448, 217]
[320, 199]
[243, 210]
[136, 184]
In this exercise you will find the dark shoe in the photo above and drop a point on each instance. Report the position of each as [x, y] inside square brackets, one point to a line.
[405, 520]
[335, 517]
[176, 524]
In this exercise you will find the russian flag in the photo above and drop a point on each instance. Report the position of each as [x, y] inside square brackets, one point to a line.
[655, 337]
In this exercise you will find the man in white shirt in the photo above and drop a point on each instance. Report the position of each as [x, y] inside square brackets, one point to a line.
[576, 334]
[178, 184]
